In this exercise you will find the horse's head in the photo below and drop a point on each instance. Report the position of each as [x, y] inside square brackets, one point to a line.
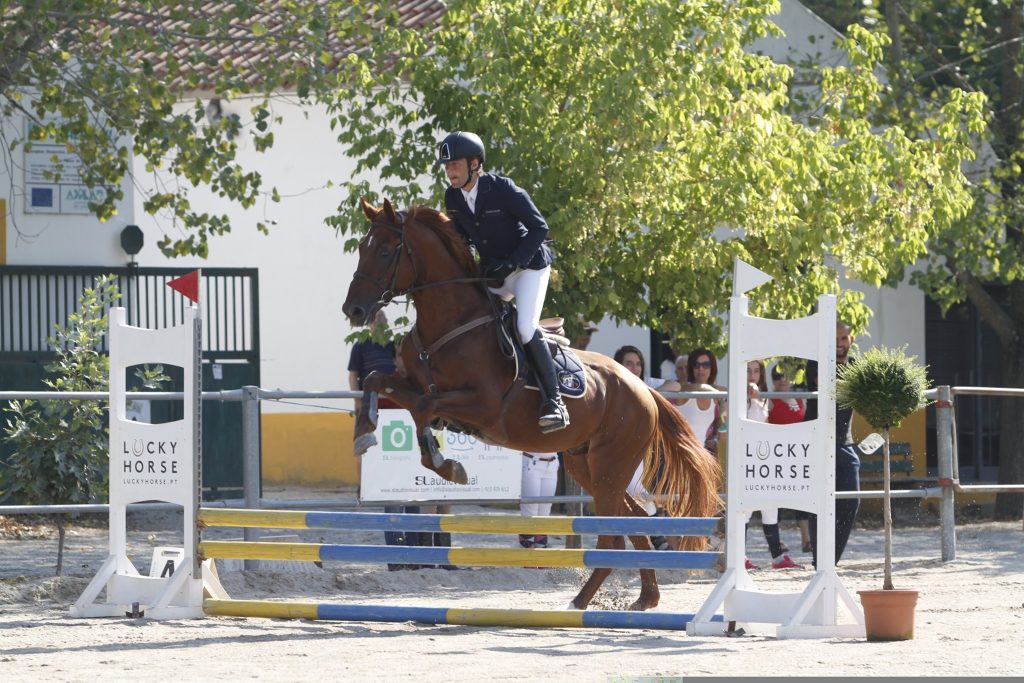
[382, 271]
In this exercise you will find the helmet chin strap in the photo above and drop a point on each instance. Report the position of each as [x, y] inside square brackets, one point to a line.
[469, 176]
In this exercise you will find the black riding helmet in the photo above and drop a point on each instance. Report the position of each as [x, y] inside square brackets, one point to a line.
[460, 145]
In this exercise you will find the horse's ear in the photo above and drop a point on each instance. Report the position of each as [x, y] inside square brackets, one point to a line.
[369, 209]
[389, 212]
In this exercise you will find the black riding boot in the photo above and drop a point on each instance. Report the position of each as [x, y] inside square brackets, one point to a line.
[553, 414]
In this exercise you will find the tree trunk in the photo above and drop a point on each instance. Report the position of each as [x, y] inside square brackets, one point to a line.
[1011, 432]
[887, 510]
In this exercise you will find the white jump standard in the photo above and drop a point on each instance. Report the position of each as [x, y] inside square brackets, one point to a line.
[781, 466]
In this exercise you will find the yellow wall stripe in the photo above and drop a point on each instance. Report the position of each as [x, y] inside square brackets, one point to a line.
[311, 449]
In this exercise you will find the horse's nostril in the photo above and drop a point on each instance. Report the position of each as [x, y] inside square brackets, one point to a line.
[356, 313]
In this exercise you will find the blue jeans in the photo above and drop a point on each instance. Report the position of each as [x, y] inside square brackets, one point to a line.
[847, 479]
[401, 537]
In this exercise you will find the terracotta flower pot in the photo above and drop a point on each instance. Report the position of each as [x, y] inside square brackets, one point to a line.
[888, 614]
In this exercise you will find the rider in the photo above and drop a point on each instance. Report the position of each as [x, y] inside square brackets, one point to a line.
[500, 220]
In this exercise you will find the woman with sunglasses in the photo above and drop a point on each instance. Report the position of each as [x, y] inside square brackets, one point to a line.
[701, 373]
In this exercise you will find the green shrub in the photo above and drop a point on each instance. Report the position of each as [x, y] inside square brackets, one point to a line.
[884, 386]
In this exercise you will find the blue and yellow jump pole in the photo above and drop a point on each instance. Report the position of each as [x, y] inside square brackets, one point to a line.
[443, 615]
[479, 557]
[468, 524]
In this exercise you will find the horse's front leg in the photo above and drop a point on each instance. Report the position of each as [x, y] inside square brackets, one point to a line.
[397, 388]
[428, 407]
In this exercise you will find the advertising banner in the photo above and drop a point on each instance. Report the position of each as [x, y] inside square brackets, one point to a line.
[391, 470]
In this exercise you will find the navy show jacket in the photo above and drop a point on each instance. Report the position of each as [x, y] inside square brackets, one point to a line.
[505, 226]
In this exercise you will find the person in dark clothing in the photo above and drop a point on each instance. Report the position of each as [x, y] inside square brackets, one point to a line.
[847, 462]
[498, 218]
[369, 356]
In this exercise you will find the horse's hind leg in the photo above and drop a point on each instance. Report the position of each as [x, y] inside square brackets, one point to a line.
[603, 507]
[650, 595]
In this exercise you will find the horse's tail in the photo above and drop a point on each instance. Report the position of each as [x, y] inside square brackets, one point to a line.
[691, 476]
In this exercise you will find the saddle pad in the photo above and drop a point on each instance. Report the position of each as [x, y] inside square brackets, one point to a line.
[572, 380]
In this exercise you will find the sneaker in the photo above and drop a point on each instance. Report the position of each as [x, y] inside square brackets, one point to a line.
[540, 541]
[751, 567]
[785, 563]
[526, 541]
[659, 542]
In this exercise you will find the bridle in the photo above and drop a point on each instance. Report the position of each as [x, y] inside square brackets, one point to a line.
[388, 291]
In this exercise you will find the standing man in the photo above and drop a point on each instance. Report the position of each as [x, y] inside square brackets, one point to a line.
[369, 356]
[500, 220]
[847, 462]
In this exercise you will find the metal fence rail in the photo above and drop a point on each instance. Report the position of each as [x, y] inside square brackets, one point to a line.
[944, 489]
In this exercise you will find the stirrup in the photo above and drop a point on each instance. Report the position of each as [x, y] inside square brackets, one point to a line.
[554, 419]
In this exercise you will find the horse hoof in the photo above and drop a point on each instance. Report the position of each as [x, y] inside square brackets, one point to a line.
[365, 443]
[641, 606]
[456, 472]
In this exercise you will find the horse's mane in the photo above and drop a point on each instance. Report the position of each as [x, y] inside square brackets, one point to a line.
[444, 228]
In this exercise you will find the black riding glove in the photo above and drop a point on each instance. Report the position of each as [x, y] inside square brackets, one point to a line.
[497, 271]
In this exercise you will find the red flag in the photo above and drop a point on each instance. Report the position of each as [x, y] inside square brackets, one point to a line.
[187, 284]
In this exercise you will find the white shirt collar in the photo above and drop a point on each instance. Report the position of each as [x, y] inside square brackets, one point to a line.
[470, 196]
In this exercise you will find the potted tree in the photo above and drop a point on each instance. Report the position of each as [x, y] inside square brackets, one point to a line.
[885, 386]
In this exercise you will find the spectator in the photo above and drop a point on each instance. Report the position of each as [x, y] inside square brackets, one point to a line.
[369, 356]
[681, 369]
[701, 373]
[757, 410]
[540, 477]
[847, 462]
[787, 411]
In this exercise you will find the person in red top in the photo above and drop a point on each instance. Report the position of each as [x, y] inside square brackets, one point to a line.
[784, 411]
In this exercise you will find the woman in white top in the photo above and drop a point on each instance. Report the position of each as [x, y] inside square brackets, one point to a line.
[701, 373]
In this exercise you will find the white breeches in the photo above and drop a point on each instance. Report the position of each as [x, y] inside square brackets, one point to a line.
[642, 495]
[528, 288]
[540, 478]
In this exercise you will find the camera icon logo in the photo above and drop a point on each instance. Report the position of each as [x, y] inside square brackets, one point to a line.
[397, 436]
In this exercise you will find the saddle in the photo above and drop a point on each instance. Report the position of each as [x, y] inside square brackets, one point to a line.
[572, 379]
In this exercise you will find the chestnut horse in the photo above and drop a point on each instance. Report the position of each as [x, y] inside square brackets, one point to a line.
[452, 368]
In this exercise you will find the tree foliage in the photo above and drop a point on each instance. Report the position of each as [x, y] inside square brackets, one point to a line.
[103, 78]
[951, 46]
[660, 148]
